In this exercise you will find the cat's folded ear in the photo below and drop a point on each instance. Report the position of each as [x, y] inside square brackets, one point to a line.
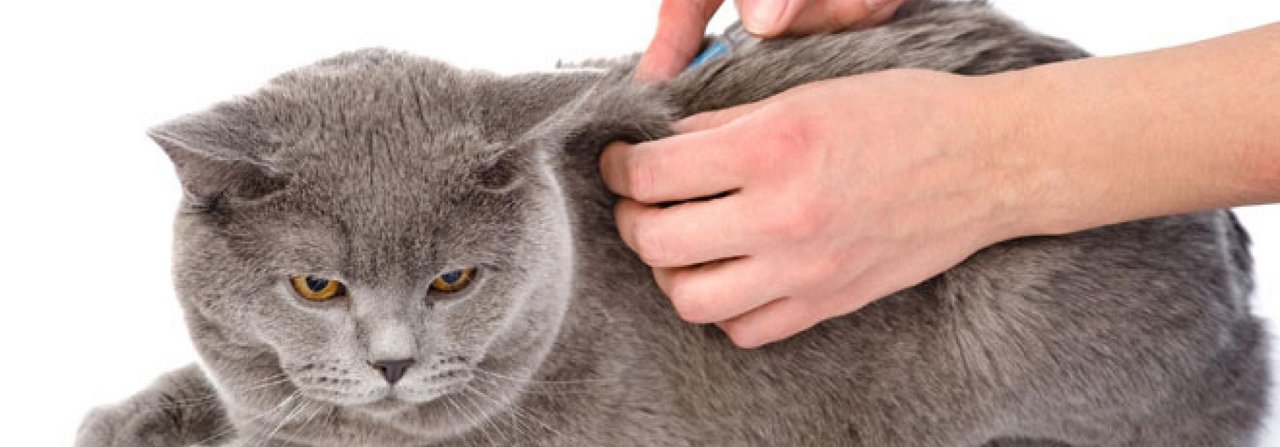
[610, 110]
[220, 153]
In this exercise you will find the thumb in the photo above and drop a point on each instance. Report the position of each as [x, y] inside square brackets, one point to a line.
[768, 18]
[681, 24]
[772, 18]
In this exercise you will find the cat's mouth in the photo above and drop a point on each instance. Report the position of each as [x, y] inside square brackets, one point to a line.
[409, 393]
[362, 389]
[397, 399]
[386, 405]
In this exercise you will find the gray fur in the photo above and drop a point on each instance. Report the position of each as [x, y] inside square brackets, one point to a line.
[385, 170]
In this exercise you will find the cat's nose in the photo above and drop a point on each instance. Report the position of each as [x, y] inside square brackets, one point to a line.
[392, 370]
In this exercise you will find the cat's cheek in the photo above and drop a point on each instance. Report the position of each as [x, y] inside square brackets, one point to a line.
[291, 328]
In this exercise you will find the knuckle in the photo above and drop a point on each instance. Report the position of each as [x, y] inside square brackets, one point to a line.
[845, 15]
[761, 159]
[690, 309]
[743, 336]
[651, 242]
[625, 218]
[782, 143]
[802, 222]
[690, 304]
[823, 271]
[642, 176]
[789, 140]
[793, 134]
[612, 161]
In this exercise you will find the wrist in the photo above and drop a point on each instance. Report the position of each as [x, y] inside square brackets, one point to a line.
[998, 124]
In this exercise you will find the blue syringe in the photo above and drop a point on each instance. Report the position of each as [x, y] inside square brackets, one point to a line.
[734, 38]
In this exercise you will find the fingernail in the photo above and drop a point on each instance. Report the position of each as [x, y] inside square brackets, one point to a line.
[763, 15]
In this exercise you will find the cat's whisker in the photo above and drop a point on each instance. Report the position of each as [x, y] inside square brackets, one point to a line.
[474, 423]
[211, 397]
[229, 428]
[297, 409]
[481, 421]
[544, 382]
[291, 405]
[517, 379]
[210, 403]
[448, 401]
[319, 409]
[271, 378]
[520, 410]
[225, 428]
[516, 410]
[263, 415]
[544, 389]
[466, 414]
[519, 425]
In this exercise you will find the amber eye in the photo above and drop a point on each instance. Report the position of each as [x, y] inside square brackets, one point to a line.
[315, 288]
[453, 281]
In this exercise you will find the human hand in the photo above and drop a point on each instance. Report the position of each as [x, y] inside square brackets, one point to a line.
[835, 194]
[682, 23]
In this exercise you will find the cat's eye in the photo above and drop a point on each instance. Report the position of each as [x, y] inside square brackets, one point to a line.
[315, 288]
[453, 281]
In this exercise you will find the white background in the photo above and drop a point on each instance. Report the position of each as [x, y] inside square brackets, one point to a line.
[85, 199]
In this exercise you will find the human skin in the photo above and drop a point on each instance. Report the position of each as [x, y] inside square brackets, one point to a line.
[834, 194]
[681, 24]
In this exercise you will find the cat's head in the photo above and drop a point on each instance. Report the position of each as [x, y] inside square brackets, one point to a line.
[382, 230]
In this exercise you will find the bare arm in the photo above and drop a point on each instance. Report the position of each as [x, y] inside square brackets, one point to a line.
[862, 186]
[1113, 139]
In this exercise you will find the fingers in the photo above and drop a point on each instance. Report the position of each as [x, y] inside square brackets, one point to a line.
[768, 18]
[825, 16]
[720, 290]
[786, 317]
[771, 322]
[771, 18]
[689, 165]
[682, 167]
[681, 25]
[877, 281]
[685, 234]
[881, 12]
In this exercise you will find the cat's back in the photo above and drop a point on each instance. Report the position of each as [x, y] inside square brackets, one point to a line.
[1120, 335]
[1078, 337]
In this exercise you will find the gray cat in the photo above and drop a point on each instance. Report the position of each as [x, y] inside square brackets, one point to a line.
[379, 219]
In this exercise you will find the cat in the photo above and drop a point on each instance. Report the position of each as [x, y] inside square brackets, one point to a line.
[379, 218]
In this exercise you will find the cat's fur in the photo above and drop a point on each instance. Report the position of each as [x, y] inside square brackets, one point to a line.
[386, 170]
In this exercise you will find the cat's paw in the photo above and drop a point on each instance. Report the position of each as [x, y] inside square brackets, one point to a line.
[128, 426]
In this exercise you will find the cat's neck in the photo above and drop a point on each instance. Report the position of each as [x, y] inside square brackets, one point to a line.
[614, 302]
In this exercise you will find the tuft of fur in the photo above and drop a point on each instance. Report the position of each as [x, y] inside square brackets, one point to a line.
[385, 170]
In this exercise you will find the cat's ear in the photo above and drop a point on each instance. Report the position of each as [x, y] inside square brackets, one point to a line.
[220, 153]
[614, 109]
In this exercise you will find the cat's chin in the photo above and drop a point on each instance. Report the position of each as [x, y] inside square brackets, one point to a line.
[385, 407]
[397, 401]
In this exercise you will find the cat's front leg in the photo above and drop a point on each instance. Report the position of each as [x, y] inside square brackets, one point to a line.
[180, 409]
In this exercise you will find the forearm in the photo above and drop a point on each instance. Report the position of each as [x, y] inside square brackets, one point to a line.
[1107, 140]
